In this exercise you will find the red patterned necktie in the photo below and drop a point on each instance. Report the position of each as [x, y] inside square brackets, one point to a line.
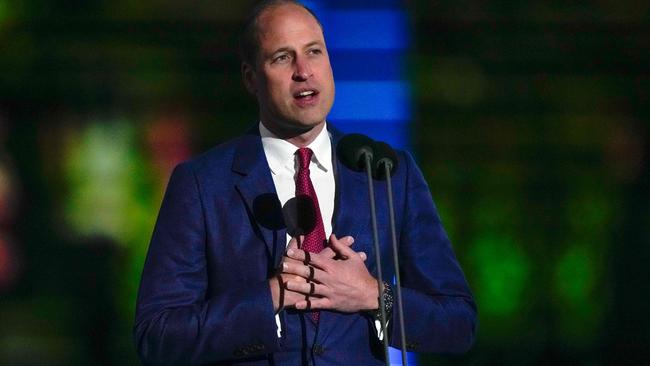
[314, 240]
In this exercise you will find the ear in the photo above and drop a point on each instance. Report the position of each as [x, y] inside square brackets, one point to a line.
[249, 78]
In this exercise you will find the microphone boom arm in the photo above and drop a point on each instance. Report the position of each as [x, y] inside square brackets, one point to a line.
[375, 236]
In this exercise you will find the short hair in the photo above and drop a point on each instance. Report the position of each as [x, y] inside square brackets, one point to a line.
[249, 45]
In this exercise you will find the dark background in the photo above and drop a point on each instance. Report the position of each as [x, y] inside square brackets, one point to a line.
[530, 124]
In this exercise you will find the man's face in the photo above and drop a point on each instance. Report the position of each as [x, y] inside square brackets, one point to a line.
[293, 78]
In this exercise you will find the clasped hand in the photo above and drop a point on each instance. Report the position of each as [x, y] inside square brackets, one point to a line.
[335, 279]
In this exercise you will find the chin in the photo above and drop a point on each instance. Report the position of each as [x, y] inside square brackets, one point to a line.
[311, 119]
[312, 123]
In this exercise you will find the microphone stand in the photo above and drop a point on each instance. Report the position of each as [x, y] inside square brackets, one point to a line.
[375, 237]
[388, 166]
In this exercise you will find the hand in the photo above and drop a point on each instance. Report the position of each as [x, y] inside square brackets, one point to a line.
[281, 295]
[343, 285]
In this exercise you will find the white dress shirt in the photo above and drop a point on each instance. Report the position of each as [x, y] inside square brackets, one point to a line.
[281, 157]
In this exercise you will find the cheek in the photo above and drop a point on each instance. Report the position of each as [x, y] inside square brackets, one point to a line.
[278, 90]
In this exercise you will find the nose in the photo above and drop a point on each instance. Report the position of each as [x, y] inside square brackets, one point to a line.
[302, 70]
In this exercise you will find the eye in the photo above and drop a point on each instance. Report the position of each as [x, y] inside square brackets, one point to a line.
[282, 58]
[315, 51]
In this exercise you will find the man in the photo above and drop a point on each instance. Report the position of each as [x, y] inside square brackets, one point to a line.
[228, 280]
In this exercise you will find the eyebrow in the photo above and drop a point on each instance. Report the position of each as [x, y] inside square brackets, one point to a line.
[310, 44]
[282, 49]
[314, 43]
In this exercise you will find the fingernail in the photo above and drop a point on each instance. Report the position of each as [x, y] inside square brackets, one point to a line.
[349, 239]
[290, 252]
[285, 266]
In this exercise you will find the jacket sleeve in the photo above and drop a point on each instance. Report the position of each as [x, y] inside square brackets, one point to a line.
[439, 310]
[176, 322]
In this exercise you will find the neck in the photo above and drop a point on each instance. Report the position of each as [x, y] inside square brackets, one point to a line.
[298, 138]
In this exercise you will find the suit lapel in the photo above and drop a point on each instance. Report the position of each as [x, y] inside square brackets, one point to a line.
[257, 189]
[351, 217]
[351, 207]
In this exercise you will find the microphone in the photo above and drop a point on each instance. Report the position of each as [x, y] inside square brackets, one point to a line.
[353, 149]
[385, 160]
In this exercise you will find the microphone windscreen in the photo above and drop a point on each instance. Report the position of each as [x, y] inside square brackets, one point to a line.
[268, 211]
[384, 155]
[351, 149]
[300, 215]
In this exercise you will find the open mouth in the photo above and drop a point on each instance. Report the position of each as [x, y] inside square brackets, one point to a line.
[305, 94]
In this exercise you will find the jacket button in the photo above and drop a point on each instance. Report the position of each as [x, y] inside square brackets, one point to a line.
[319, 350]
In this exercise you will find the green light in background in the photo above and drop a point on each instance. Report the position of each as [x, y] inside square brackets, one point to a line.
[580, 296]
[575, 275]
[501, 274]
[588, 211]
[4, 11]
[457, 81]
[579, 288]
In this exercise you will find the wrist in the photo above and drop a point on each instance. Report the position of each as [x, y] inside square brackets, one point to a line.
[372, 298]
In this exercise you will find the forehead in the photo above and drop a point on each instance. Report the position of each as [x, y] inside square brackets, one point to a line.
[287, 24]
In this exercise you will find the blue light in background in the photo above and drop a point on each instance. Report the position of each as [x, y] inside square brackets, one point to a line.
[372, 100]
[366, 29]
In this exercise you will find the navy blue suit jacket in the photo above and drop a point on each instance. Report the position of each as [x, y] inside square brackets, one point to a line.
[204, 296]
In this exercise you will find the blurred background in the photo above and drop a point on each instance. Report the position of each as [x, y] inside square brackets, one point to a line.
[530, 121]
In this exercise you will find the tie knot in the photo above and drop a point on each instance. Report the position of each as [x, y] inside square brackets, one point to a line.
[304, 157]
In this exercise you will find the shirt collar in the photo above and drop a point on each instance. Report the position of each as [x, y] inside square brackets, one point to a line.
[280, 153]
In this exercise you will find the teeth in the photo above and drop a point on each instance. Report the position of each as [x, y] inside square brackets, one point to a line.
[306, 93]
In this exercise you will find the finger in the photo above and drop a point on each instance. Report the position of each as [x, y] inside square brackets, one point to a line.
[300, 240]
[281, 288]
[317, 260]
[327, 253]
[363, 256]
[309, 273]
[314, 259]
[314, 303]
[307, 288]
[306, 257]
[291, 260]
[286, 277]
[293, 243]
[297, 254]
[340, 246]
[347, 240]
